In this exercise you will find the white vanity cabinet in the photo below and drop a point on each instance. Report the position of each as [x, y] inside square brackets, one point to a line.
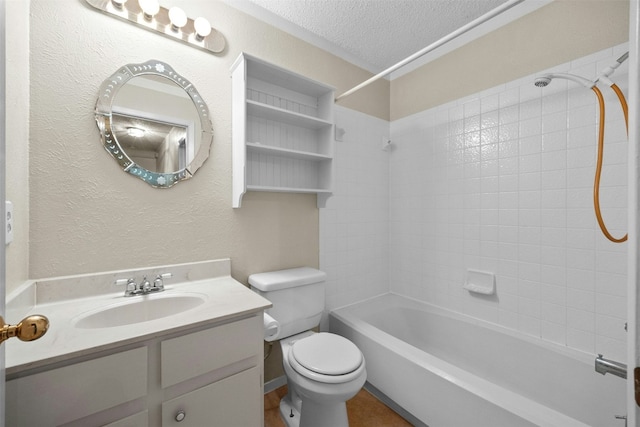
[229, 360]
[58, 396]
[208, 375]
[283, 131]
[233, 401]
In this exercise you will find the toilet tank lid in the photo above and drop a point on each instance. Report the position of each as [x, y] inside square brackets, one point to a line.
[283, 279]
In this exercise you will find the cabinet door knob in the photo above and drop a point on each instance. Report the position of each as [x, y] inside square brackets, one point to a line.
[180, 416]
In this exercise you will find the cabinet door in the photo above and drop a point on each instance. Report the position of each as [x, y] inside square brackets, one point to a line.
[195, 354]
[69, 393]
[141, 419]
[231, 402]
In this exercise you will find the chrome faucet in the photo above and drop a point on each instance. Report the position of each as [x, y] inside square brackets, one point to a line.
[131, 288]
[145, 287]
[158, 284]
[604, 366]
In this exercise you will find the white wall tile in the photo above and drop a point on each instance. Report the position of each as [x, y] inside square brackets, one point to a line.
[524, 187]
[553, 332]
[500, 180]
[581, 340]
[611, 305]
[554, 141]
[354, 225]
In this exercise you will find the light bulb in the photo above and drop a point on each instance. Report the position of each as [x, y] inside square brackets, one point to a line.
[149, 8]
[202, 27]
[118, 3]
[135, 132]
[177, 17]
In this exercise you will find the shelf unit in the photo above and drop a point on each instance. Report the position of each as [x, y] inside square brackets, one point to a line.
[283, 131]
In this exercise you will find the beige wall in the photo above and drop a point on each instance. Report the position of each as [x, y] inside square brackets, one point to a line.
[17, 139]
[554, 34]
[78, 213]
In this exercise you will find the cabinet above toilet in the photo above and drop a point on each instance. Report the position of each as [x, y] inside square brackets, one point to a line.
[282, 131]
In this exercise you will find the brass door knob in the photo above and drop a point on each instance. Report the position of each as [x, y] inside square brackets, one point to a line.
[29, 329]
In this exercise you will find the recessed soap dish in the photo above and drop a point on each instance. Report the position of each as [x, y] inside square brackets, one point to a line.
[480, 282]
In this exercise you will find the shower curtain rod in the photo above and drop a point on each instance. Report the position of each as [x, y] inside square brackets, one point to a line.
[484, 18]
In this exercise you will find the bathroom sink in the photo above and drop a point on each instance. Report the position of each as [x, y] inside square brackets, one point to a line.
[138, 309]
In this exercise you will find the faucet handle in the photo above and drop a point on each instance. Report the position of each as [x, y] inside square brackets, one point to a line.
[158, 284]
[145, 285]
[130, 286]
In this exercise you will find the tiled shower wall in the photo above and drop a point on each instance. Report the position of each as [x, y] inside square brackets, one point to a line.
[501, 181]
[354, 224]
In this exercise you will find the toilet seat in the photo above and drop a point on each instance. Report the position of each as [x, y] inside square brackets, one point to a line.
[326, 358]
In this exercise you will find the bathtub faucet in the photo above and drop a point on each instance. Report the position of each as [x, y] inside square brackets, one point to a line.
[604, 366]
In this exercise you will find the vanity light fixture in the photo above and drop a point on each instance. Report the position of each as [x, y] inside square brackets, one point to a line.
[135, 132]
[150, 8]
[202, 27]
[172, 22]
[178, 18]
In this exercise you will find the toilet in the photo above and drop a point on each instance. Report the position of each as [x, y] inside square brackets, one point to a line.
[323, 370]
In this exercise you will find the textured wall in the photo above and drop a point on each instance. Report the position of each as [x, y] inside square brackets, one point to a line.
[17, 139]
[86, 215]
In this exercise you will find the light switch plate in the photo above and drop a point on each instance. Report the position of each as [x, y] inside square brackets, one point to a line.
[8, 215]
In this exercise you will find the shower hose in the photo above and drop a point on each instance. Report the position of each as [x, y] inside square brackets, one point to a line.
[596, 184]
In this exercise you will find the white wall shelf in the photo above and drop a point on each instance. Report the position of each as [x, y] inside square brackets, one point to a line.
[269, 112]
[282, 131]
[284, 152]
[287, 189]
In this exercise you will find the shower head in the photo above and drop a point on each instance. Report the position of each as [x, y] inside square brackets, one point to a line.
[542, 81]
[545, 79]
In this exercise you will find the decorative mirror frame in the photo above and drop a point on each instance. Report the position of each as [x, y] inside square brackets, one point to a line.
[104, 108]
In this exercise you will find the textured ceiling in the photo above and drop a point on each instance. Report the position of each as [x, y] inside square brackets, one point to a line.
[379, 33]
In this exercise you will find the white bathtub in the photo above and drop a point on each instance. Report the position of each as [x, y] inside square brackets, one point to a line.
[448, 370]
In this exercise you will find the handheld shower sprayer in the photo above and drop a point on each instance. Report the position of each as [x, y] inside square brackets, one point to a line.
[544, 80]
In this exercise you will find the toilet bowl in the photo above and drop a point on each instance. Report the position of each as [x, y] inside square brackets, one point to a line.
[323, 371]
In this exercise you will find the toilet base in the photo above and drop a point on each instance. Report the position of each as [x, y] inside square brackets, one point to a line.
[315, 415]
[286, 412]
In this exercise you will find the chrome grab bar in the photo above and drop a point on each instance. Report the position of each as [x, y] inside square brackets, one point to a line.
[604, 366]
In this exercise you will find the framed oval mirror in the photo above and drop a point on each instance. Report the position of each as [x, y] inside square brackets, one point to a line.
[154, 123]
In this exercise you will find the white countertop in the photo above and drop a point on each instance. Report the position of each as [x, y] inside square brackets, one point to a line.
[225, 299]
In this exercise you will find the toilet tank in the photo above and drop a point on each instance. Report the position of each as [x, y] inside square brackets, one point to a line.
[297, 295]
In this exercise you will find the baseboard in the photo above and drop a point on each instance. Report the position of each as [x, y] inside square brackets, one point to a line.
[274, 384]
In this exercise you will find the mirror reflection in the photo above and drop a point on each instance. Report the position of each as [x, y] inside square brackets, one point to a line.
[154, 145]
[154, 123]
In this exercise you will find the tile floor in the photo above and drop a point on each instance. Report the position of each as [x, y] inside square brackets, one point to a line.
[364, 410]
